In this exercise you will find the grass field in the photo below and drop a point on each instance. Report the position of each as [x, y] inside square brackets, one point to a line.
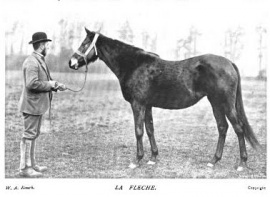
[92, 134]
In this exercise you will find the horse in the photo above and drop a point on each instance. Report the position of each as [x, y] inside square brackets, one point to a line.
[148, 81]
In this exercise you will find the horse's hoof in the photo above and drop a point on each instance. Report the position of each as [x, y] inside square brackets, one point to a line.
[132, 166]
[151, 162]
[240, 168]
[210, 165]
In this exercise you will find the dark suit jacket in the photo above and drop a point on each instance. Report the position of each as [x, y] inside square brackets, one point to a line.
[36, 94]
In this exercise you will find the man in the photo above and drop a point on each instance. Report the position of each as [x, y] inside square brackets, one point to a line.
[34, 102]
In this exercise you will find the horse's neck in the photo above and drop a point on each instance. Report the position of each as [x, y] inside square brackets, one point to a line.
[112, 54]
[109, 59]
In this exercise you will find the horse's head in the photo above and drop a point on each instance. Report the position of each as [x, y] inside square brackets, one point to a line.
[86, 53]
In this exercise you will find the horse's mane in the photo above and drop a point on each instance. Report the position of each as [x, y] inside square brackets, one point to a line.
[128, 56]
[131, 48]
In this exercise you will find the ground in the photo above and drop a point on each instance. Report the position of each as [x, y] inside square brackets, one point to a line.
[92, 134]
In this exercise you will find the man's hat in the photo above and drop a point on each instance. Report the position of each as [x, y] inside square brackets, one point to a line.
[39, 37]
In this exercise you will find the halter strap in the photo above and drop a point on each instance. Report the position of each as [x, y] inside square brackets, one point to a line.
[91, 46]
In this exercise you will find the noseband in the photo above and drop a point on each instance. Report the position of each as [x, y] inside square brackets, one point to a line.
[84, 55]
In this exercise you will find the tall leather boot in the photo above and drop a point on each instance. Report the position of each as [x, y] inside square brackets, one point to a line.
[33, 159]
[26, 169]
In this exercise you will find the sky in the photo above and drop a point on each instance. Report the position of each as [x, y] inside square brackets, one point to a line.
[168, 20]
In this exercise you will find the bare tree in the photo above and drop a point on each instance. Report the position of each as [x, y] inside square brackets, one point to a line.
[66, 33]
[66, 39]
[193, 35]
[145, 39]
[261, 33]
[126, 33]
[9, 38]
[153, 44]
[148, 42]
[22, 45]
[99, 26]
[182, 48]
[233, 43]
[187, 47]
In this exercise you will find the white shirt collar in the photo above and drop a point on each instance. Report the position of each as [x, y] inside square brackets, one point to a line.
[39, 54]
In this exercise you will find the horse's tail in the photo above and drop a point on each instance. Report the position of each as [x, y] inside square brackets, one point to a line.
[248, 132]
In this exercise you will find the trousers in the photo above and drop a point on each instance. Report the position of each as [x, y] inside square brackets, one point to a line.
[32, 124]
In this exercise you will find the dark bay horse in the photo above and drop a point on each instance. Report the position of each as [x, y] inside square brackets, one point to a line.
[148, 81]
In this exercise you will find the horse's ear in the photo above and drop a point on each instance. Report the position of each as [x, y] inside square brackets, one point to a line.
[87, 31]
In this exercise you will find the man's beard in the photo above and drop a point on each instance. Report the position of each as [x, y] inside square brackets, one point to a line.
[43, 52]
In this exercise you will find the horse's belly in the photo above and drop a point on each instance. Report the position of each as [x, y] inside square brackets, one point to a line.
[174, 100]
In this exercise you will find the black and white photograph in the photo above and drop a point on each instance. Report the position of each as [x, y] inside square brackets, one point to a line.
[126, 97]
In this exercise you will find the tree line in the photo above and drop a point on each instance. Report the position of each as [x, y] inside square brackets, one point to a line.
[70, 34]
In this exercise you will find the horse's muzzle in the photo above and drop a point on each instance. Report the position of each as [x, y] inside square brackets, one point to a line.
[73, 64]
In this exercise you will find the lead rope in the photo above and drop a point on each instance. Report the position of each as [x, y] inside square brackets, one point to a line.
[85, 77]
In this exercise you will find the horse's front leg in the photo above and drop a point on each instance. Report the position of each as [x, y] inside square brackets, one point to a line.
[149, 125]
[139, 117]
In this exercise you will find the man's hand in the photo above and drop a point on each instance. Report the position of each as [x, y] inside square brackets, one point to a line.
[53, 84]
[61, 87]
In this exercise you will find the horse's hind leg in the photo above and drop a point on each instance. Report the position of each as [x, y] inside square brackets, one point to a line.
[150, 132]
[232, 115]
[222, 125]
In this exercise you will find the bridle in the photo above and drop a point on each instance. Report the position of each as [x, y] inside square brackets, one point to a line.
[91, 46]
[84, 55]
